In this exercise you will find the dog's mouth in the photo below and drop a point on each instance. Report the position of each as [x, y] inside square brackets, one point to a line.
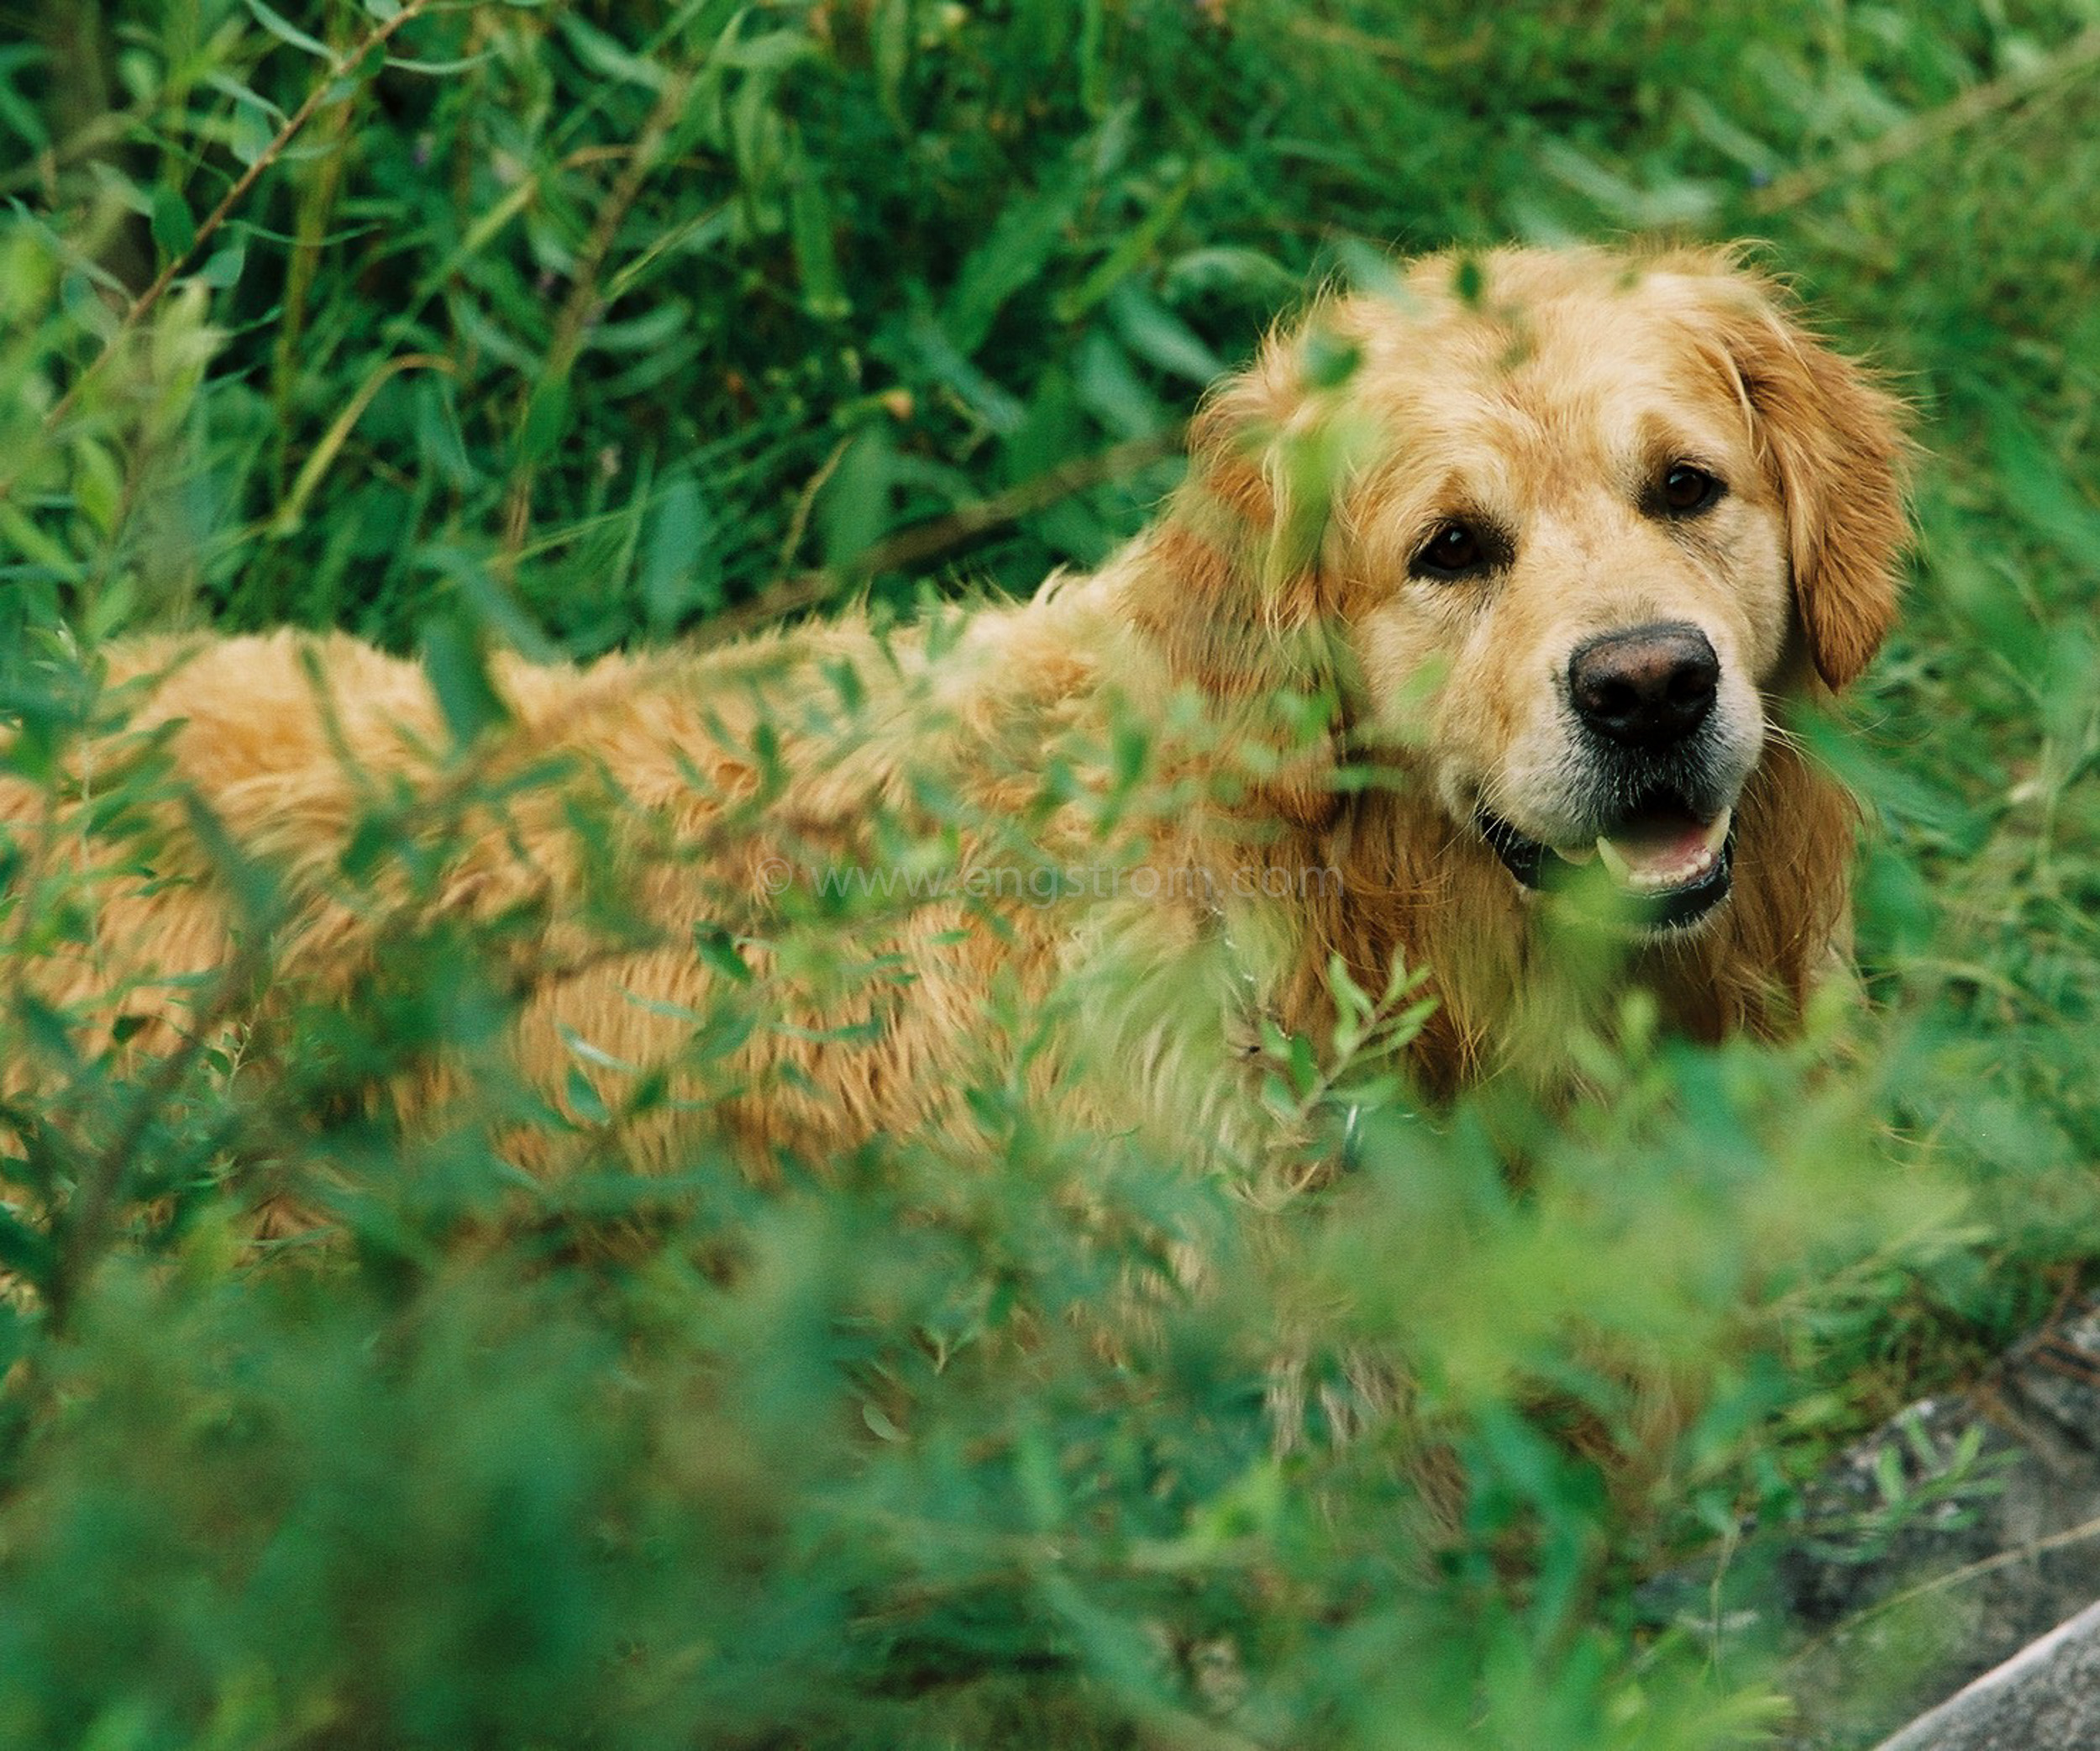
[1665, 864]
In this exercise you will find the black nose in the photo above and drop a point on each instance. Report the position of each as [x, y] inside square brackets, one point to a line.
[1647, 687]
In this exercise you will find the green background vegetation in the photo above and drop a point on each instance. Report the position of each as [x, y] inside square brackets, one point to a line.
[568, 325]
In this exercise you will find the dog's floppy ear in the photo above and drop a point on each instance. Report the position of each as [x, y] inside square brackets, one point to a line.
[1230, 585]
[1835, 442]
[1233, 587]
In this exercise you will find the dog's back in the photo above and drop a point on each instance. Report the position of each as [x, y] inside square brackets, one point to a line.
[641, 854]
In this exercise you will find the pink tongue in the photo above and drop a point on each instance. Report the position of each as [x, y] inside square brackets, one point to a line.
[1660, 844]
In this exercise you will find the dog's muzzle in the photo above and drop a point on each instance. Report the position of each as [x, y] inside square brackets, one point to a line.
[1644, 700]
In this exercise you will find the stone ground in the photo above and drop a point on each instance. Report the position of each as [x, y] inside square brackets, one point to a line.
[2045, 1698]
[1999, 1545]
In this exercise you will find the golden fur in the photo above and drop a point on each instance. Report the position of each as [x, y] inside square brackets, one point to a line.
[1265, 635]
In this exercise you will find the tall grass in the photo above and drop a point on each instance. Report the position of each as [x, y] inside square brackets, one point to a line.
[562, 326]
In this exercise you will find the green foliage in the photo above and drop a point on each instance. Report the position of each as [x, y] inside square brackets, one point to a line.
[561, 325]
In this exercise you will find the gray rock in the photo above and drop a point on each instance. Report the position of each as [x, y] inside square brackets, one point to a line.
[2045, 1698]
[1944, 1545]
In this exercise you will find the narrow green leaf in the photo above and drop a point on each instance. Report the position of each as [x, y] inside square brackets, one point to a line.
[890, 46]
[680, 569]
[584, 1100]
[1330, 360]
[457, 668]
[724, 1032]
[1351, 997]
[286, 32]
[767, 53]
[853, 512]
[437, 68]
[546, 419]
[173, 228]
[1134, 249]
[98, 483]
[24, 119]
[1221, 267]
[583, 1049]
[1156, 335]
[1888, 1475]
[246, 97]
[607, 55]
[1304, 1072]
[718, 950]
[811, 225]
[487, 603]
[1093, 65]
[251, 135]
[222, 268]
[1015, 254]
[250, 885]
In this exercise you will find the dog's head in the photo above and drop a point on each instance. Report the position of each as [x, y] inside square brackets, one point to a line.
[1565, 523]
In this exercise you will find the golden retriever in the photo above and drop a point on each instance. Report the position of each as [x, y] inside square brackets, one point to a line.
[1476, 616]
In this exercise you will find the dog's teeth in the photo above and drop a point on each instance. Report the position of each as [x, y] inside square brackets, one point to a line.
[1694, 863]
[1575, 854]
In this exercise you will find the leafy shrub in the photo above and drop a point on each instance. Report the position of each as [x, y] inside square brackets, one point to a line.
[559, 326]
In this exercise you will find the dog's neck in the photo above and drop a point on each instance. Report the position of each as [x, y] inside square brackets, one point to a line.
[1515, 981]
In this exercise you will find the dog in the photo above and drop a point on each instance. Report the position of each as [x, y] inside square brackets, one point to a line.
[1469, 637]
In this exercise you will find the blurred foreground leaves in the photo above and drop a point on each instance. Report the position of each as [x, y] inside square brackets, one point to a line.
[562, 325]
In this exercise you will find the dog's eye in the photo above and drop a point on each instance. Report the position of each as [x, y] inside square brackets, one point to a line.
[1685, 490]
[1453, 549]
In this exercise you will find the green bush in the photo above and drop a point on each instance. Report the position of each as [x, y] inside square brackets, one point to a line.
[561, 326]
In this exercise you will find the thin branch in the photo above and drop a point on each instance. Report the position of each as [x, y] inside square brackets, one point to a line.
[2079, 1534]
[582, 302]
[1914, 132]
[805, 502]
[923, 543]
[926, 541]
[329, 89]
